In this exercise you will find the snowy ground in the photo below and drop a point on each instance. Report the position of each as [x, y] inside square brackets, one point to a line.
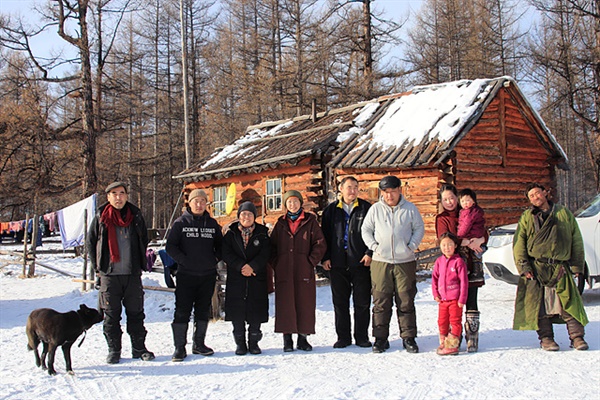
[509, 364]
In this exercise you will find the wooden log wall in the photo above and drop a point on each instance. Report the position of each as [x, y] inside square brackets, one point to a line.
[498, 158]
[306, 177]
[419, 186]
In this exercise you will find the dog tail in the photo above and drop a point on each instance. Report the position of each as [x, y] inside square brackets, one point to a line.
[29, 347]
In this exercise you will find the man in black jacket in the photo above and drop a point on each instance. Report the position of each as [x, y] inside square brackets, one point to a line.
[348, 259]
[194, 242]
[117, 241]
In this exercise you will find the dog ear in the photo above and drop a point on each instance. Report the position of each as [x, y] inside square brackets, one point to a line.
[83, 307]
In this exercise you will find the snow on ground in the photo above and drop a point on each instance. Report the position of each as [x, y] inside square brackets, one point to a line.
[509, 364]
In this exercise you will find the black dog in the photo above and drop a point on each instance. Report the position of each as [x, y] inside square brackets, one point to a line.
[55, 329]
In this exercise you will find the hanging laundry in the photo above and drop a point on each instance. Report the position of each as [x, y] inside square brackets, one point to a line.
[71, 221]
[50, 218]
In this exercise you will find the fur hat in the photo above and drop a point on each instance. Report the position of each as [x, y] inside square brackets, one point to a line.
[247, 206]
[293, 193]
[389, 182]
[115, 185]
[197, 193]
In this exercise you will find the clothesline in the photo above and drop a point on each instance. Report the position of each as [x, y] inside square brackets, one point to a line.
[69, 221]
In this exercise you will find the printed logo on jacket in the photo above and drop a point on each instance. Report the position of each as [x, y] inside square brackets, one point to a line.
[192, 231]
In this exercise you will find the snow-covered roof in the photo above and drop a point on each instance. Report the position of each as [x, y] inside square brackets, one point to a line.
[415, 128]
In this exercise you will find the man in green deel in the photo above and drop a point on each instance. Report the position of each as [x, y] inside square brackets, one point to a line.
[548, 250]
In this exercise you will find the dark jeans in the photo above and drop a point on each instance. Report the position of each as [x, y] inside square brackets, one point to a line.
[193, 292]
[355, 282]
[117, 291]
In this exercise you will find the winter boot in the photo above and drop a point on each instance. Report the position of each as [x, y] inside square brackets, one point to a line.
[450, 346]
[138, 347]
[199, 347]
[548, 344]
[253, 339]
[441, 346]
[576, 333]
[179, 340]
[472, 330]
[242, 348]
[579, 344]
[303, 343]
[380, 345]
[114, 348]
[288, 342]
[410, 345]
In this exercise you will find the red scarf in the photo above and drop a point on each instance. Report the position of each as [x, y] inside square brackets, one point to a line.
[111, 218]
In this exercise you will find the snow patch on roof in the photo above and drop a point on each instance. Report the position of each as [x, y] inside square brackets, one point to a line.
[241, 145]
[430, 111]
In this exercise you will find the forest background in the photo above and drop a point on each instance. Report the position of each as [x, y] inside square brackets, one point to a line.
[92, 90]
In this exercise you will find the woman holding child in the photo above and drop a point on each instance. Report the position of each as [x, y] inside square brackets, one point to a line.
[448, 221]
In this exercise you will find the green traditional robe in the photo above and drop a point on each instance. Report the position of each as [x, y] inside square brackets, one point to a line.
[557, 238]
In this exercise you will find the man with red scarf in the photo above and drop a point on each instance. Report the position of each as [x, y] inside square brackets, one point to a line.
[117, 242]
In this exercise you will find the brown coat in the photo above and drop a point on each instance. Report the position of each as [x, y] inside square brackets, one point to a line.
[295, 259]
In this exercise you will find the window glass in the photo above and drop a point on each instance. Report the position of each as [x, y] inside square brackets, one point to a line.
[274, 194]
[219, 201]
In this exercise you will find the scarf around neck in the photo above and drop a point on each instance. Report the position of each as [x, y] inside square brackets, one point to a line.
[246, 233]
[111, 218]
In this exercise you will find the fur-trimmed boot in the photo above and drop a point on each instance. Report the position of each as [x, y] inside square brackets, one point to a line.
[472, 330]
[441, 346]
[450, 346]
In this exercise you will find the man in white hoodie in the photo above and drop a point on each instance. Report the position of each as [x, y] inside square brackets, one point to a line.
[393, 229]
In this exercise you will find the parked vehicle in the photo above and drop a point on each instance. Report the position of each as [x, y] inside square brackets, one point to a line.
[500, 263]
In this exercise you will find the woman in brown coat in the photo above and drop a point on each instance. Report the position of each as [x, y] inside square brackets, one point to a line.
[298, 245]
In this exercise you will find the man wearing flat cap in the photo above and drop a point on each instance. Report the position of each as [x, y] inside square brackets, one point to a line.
[194, 242]
[117, 242]
[393, 229]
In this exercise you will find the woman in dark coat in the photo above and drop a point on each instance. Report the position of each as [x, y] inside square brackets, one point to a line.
[298, 245]
[246, 251]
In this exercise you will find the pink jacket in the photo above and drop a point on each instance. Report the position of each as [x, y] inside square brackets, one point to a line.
[471, 223]
[449, 279]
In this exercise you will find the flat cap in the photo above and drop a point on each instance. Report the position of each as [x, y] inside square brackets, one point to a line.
[115, 185]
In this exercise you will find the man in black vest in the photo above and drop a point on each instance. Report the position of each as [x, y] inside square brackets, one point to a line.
[348, 259]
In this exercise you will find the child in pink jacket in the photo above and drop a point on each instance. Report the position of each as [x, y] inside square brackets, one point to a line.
[450, 285]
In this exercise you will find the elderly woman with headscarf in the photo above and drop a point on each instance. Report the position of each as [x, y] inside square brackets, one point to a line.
[298, 245]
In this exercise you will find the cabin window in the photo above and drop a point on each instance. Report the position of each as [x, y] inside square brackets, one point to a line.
[274, 194]
[219, 201]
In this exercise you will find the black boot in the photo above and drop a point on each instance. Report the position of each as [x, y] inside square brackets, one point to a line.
[380, 345]
[198, 346]
[242, 348]
[253, 339]
[114, 347]
[180, 340]
[303, 343]
[472, 330]
[288, 343]
[138, 346]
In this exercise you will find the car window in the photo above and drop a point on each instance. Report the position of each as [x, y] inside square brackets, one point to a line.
[590, 209]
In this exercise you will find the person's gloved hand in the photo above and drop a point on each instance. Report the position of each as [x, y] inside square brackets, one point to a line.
[97, 284]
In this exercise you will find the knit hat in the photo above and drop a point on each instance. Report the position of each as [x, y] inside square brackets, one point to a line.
[197, 193]
[389, 182]
[293, 193]
[247, 206]
[115, 185]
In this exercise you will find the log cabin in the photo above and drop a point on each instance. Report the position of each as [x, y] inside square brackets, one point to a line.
[482, 134]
